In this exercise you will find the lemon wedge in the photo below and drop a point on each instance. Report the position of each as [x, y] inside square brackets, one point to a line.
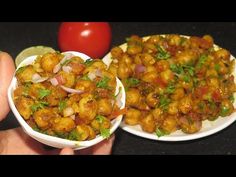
[34, 50]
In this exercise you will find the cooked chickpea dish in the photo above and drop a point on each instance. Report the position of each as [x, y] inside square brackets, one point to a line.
[174, 82]
[64, 96]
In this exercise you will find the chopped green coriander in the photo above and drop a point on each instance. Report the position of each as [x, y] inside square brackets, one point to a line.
[86, 78]
[217, 67]
[43, 93]
[132, 82]
[105, 132]
[89, 62]
[202, 59]
[162, 53]
[164, 102]
[74, 135]
[21, 69]
[231, 98]
[224, 111]
[62, 105]
[66, 62]
[103, 83]
[160, 132]
[177, 68]
[170, 89]
[39, 105]
[100, 118]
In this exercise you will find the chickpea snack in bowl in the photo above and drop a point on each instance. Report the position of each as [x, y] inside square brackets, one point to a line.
[177, 87]
[66, 99]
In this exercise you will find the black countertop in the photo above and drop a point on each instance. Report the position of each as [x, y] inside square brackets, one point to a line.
[18, 36]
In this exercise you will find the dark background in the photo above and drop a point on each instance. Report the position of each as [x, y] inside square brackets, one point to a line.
[14, 37]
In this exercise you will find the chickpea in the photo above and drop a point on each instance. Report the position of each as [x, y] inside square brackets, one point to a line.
[158, 115]
[23, 105]
[209, 39]
[162, 65]
[63, 125]
[25, 74]
[167, 76]
[178, 94]
[226, 108]
[68, 77]
[169, 124]
[173, 108]
[152, 99]
[187, 85]
[185, 57]
[19, 91]
[112, 79]
[149, 48]
[150, 76]
[143, 106]
[85, 85]
[137, 59]
[185, 104]
[133, 97]
[116, 52]
[126, 59]
[104, 106]
[211, 73]
[222, 54]
[84, 132]
[77, 67]
[49, 61]
[96, 64]
[113, 69]
[92, 133]
[57, 94]
[88, 107]
[190, 126]
[222, 68]
[147, 59]
[124, 71]
[135, 40]
[98, 124]
[44, 118]
[95, 125]
[106, 123]
[99, 64]
[34, 90]
[150, 69]
[148, 124]
[213, 82]
[174, 39]
[155, 39]
[134, 49]
[132, 116]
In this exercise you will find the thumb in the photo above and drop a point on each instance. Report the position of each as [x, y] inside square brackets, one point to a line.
[67, 151]
[7, 69]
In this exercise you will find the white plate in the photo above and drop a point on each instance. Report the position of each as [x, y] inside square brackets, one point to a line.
[208, 127]
[55, 141]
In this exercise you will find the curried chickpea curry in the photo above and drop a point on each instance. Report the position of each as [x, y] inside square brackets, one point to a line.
[64, 96]
[174, 82]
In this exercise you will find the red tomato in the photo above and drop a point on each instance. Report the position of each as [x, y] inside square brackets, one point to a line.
[91, 38]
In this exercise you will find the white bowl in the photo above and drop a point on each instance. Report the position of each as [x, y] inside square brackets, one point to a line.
[208, 127]
[55, 141]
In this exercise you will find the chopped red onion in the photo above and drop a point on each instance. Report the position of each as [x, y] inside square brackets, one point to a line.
[57, 68]
[70, 90]
[68, 112]
[36, 78]
[54, 81]
[139, 68]
[66, 69]
[91, 76]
